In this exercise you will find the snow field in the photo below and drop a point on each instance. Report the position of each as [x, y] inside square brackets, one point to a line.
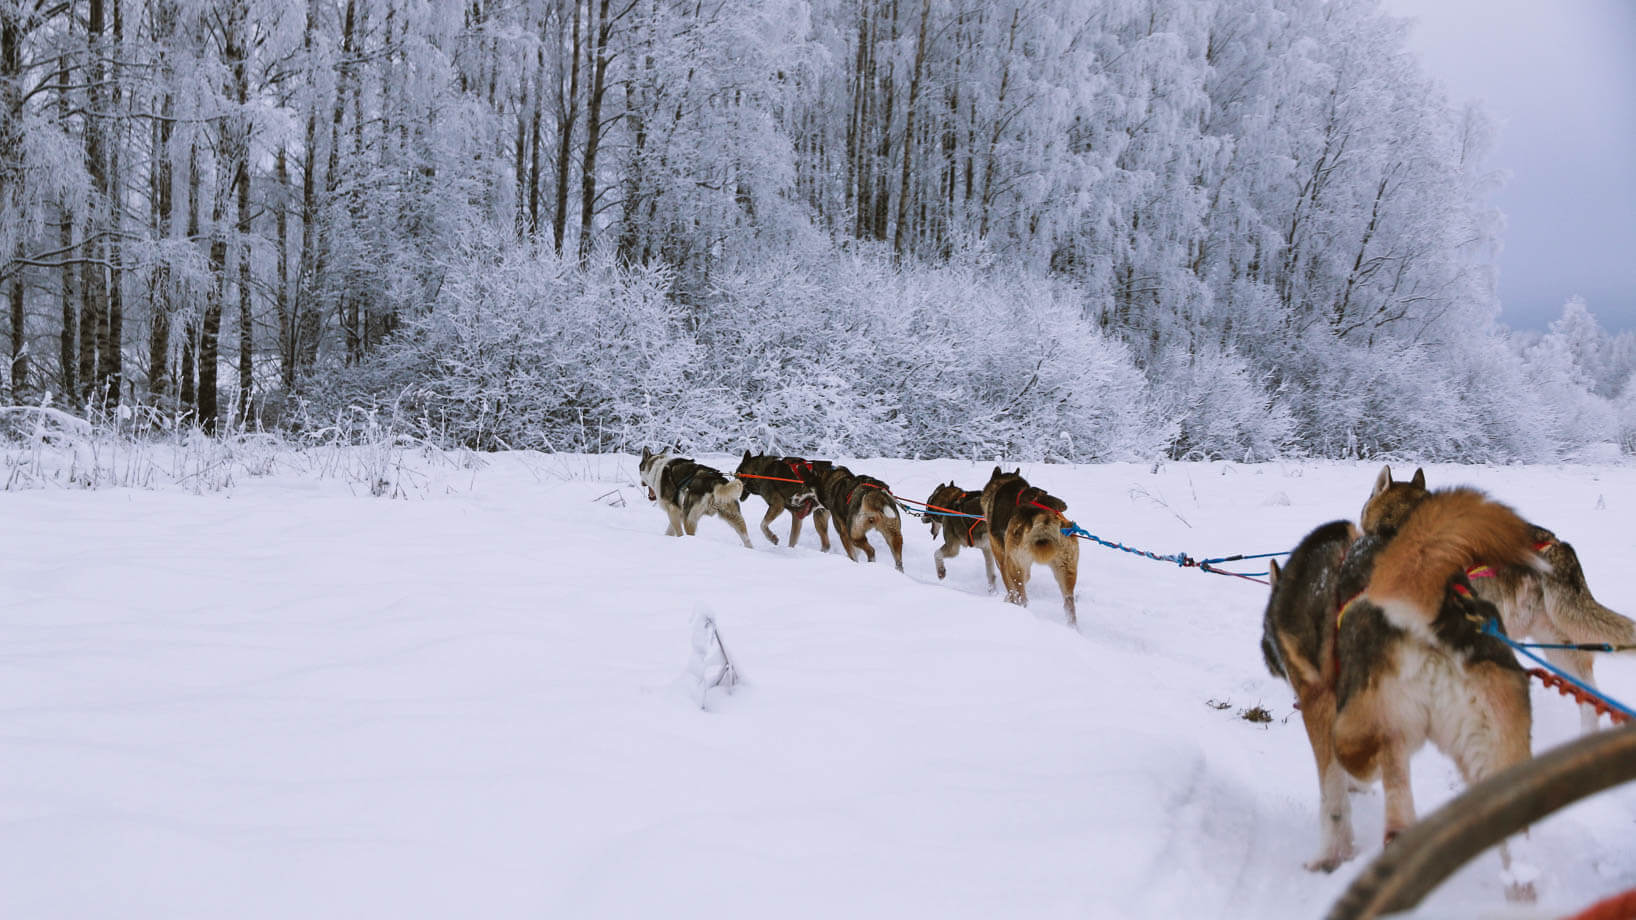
[289, 701]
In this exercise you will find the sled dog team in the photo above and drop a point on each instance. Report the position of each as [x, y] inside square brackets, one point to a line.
[1377, 626]
[1020, 524]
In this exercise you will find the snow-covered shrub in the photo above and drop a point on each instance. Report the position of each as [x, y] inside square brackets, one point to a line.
[847, 353]
[526, 349]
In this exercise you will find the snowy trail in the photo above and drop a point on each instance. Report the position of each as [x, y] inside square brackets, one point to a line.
[288, 701]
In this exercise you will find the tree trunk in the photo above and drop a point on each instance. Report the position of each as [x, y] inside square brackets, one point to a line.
[567, 115]
[281, 297]
[93, 278]
[111, 346]
[900, 237]
[190, 333]
[19, 347]
[593, 122]
[11, 142]
[304, 320]
[210, 324]
[163, 219]
[238, 152]
[534, 145]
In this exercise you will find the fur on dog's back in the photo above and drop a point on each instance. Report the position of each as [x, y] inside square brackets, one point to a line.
[1298, 628]
[1448, 532]
[954, 498]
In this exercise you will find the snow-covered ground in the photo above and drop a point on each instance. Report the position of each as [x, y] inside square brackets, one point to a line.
[285, 700]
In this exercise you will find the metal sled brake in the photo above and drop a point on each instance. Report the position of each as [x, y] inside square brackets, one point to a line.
[1430, 851]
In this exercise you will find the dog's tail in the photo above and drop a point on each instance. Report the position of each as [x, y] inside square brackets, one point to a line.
[878, 505]
[730, 491]
[1572, 608]
[1451, 531]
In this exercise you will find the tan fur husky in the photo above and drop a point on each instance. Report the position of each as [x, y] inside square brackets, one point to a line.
[1382, 661]
[688, 491]
[1551, 604]
[1025, 526]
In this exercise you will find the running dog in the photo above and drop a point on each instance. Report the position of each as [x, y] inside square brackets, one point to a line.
[959, 531]
[688, 491]
[1371, 691]
[780, 483]
[1025, 526]
[1551, 604]
[858, 504]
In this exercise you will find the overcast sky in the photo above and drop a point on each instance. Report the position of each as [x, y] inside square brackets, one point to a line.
[1560, 78]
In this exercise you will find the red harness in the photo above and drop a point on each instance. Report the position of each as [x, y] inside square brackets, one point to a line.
[864, 485]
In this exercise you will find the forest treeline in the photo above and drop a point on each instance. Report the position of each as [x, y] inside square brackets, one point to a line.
[1065, 229]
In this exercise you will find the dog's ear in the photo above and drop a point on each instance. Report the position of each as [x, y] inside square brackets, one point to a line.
[646, 454]
[746, 455]
[1383, 481]
[996, 474]
[1272, 572]
[1419, 480]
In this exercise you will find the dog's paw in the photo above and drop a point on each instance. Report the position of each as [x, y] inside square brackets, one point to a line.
[1519, 878]
[1331, 856]
[772, 539]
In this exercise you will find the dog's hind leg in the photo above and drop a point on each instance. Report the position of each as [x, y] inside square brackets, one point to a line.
[820, 523]
[861, 540]
[1067, 574]
[1008, 575]
[893, 530]
[1022, 566]
[1394, 776]
[846, 540]
[729, 512]
[775, 507]
[1335, 844]
[1500, 708]
[988, 566]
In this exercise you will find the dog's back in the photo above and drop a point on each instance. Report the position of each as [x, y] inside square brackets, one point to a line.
[966, 530]
[1298, 629]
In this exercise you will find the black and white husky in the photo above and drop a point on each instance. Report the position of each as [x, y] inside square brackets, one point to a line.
[688, 491]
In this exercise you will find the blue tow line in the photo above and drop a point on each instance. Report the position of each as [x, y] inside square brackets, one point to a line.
[1180, 559]
[1492, 628]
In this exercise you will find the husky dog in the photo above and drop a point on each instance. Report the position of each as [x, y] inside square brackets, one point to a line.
[1024, 527]
[1550, 604]
[858, 504]
[1372, 691]
[780, 482]
[958, 531]
[688, 491]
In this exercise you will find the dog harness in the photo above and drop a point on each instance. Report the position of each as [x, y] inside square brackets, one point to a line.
[680, 486]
